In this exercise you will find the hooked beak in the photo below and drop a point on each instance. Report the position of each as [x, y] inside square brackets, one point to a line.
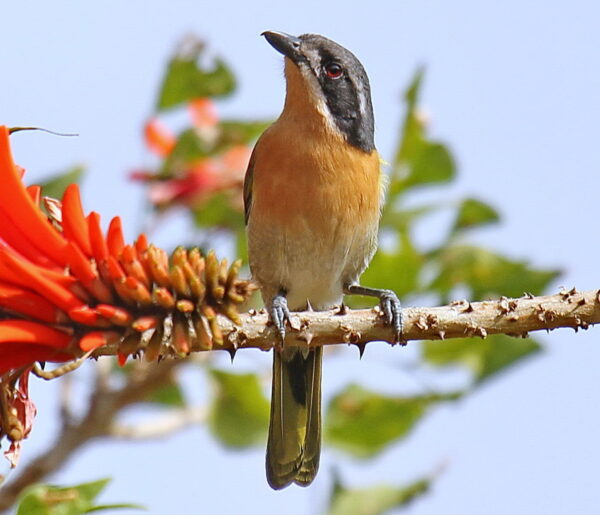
[285, 44]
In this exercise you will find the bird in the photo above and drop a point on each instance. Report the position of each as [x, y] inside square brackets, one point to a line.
[313, 193]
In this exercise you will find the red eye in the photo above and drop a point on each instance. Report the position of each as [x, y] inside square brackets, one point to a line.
[334, 70]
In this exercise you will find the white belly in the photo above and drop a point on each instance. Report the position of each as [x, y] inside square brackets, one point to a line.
[310, 268]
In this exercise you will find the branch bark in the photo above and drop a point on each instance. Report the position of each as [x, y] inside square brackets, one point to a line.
[514, 317]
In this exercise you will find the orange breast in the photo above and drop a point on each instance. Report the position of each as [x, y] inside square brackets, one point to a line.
[312, 177]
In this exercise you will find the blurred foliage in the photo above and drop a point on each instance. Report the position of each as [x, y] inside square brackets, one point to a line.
[201, 167]
[375, 500]
[484, 358]
[239, 415]
[186, 79]
[55, 186]
[362, 422]
[72, 500]
[474, 213]
[169, 394]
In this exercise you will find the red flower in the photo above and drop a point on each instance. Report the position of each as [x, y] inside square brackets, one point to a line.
[67, 288]
[200, 180]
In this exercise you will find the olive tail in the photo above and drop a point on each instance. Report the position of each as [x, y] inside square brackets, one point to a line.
[294, 445]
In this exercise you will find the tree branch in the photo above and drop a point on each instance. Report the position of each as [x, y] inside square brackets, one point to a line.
[514, 317]
[164, 425]
[96, 422]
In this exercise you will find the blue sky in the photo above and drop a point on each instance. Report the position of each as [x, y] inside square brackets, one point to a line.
[512, 87]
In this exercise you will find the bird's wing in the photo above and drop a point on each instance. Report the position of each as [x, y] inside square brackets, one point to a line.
[248, 186]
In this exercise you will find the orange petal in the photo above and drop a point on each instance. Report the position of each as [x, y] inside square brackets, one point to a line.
[20, 208]
[158, 138]
[74, 224]
[24, 302]
[15, 238]
[95, 339]
[122, 358]
[19, 271]
[116, 315]
[141, 244]
[16, 355]
[144, 323]
[99, 247]
[114, 237]
[137, 291]
[79, 265]
[35, 193]
[32, 332]
[13, 276]
[115, 270]
[203, 112]
[84, 315]
[132, 266]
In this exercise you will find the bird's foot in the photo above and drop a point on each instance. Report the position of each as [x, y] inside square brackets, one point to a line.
[390, 305]
[280, 314]
[392, 310]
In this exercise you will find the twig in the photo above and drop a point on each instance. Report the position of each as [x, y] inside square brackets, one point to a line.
[174, 420]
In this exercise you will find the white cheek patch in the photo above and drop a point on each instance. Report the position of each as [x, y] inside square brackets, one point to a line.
[362, 100]
[316, 93]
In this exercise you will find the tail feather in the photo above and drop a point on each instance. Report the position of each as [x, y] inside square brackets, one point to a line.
[294, 444]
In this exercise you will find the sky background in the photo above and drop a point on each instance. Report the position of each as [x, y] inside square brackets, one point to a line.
[512, 87]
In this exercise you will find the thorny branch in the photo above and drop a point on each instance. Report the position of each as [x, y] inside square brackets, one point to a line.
[516, 317]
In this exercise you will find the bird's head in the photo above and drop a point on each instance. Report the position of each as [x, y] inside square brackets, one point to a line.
[333, 81]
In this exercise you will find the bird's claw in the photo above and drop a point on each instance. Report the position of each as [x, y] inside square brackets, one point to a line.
[392, 310]
[280, 314]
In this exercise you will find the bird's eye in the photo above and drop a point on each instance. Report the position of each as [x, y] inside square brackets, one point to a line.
[334, 70]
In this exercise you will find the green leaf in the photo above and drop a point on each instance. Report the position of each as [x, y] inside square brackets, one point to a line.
[487, 274]
[193, 145]
[74, 500]
[473, 213]
[218, 212]
[485, 358]
[237, 132]
[402, 219]
[375, 500]
[187, 79]
[190, 147]
[239, 414]
[56, 185]
[411, 95]
[363, 422]
[398, 271]
[431, 163]
[418, 160]
[169, 394]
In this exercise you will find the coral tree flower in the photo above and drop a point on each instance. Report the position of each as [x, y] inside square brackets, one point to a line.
[67, 288]
[191, 180]
[159, 138]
